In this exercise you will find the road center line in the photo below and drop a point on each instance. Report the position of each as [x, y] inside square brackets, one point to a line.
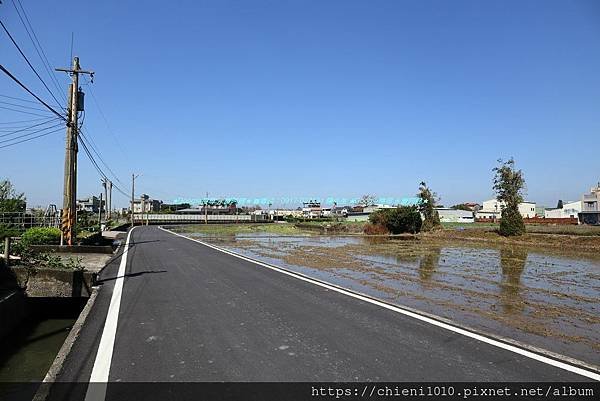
[398, 309]
[99, 379]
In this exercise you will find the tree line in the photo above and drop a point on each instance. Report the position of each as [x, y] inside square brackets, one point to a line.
[508, 184]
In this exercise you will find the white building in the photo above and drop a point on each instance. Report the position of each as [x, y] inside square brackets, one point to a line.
[569, 210]
[492, 209]
[374, 208]
[281, 214]
[311, 210]
[356, 216]
[448, 215]
[91, 204]
[326, 212]
[590, 207]
[145, 204]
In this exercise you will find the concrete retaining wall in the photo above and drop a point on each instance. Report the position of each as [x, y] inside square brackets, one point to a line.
[54, 283]
[107, 249]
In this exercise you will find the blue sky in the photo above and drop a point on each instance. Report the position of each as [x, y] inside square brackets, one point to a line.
[318, 98]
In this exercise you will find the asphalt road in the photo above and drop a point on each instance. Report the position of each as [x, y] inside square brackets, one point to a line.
[191, 313]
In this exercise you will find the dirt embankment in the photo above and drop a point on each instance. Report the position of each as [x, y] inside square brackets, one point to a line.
[570, 242]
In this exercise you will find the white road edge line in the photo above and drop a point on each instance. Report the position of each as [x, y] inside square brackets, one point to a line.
[398, 309]
[96, 390]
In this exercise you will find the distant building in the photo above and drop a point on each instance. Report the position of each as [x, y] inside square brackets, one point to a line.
[145, 204]
[326, 212]
[248, 209]
[167, 207]
[90, 204]
[468, 205]
[281, 214]
[569, 210]
[311, 210]
[540, 210]
[362, 213]
[448, 215]
[590, 207]
[216, 210]
[374, 208]
[473, 206]
[341, 210]
[492, 210]
[357, 216]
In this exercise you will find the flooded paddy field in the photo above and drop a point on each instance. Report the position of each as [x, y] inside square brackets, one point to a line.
[544, 298]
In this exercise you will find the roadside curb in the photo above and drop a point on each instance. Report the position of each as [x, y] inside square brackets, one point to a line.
[44, 389]
[508, 342]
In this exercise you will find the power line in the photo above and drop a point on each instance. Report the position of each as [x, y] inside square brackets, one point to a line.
[97, 152]
[28, 128]
[4, 70]
[20, 105]
[22, 121]
[45, 61]
[17, 98]
[87, 151]
[30, 139]
[22, 111]
[30, 133]
[97, 103]
[101, 159]
[96, 166]
[29, 63]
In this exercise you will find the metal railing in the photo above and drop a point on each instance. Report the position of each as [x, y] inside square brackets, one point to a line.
[26, 220]
[156, 218]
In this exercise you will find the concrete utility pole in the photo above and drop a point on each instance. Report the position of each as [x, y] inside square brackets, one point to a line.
[100, 213]
[69, 211]
[133, 177]
[105, 186]
[110, 185]
[206, 210]
[145, 208]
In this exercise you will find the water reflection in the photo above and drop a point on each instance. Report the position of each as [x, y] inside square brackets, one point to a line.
[512, 262]
[428, 263]
[375, 240]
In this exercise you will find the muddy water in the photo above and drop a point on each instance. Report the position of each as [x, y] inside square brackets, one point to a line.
[29, 350]
[544, 298]
[33, 348]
